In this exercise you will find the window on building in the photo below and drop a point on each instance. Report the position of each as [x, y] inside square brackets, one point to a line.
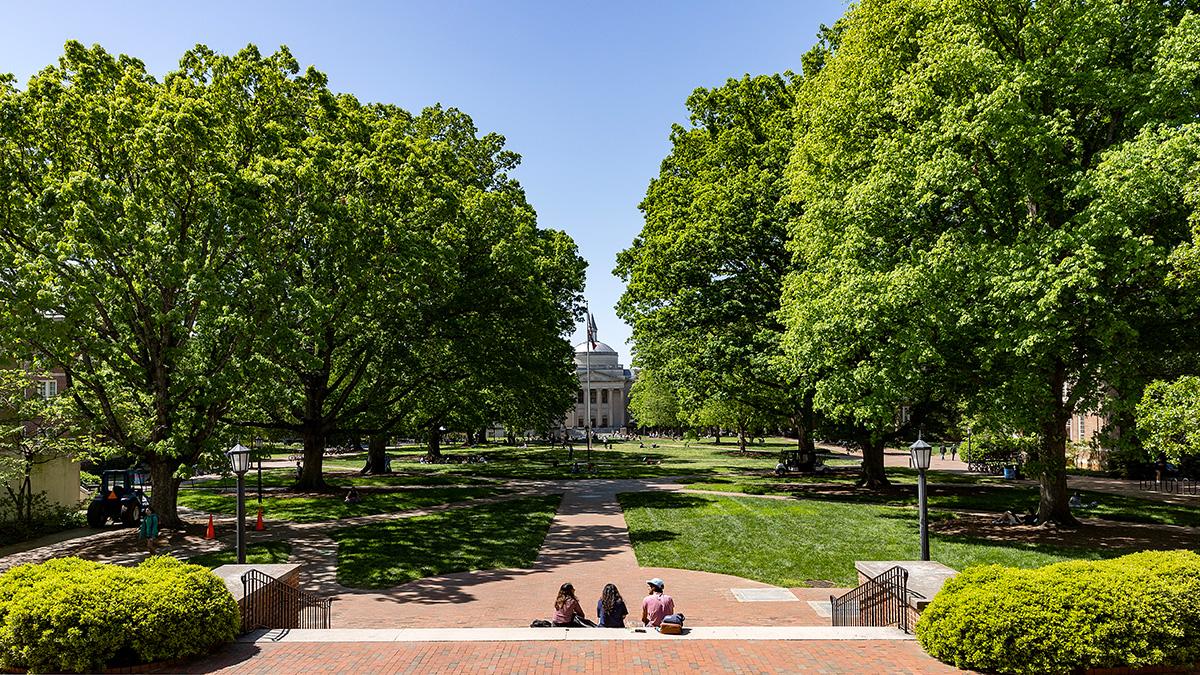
[592, 395]
[47, 389]
[579, 399]
[604, 396]
[593, 422]
[580, 420]
[604, 421]
[1081, 420]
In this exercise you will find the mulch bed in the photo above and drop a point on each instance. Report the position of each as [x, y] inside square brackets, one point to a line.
[1103, 534]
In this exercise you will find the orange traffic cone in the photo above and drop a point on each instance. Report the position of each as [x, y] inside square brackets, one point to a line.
[211, 533]
[260, 527]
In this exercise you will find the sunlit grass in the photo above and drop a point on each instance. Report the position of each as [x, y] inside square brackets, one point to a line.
[788, 543]
[312, 508]
[266, 553]
[493, 536]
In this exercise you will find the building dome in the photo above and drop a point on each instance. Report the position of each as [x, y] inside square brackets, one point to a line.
[600, 348]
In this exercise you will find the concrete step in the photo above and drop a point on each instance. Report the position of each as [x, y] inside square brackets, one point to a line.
[571, 634]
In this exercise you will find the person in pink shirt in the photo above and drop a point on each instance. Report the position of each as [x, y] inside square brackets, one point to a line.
[657, 604]
[567, 611]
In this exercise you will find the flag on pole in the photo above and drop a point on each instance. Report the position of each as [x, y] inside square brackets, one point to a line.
[591, 331]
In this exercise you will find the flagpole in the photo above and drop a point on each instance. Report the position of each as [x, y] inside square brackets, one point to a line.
[587, 398]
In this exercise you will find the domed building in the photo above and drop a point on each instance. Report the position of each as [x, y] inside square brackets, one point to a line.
[603, 387]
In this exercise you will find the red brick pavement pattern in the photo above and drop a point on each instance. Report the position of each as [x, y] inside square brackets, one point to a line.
[715, 656]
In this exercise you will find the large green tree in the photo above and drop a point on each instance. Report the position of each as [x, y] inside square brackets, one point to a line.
[123, 204]
[705, 274]
[653, 402]
[412, 287]
[1006, 181]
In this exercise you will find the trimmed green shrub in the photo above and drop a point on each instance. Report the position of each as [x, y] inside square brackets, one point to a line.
[77, 615]
[1136, 610]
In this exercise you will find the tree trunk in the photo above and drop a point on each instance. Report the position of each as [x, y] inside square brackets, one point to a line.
[311, 475]
[873, 475]
[482, 438]
[804, 425]
[435, 441]
[717, 436]
[27, 494]
[1054, 503]
[164, 495]
[742, 438]
[377, 454]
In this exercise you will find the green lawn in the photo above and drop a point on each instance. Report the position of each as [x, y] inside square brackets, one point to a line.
[491, 536]
[951, 491]
[788, 543]
[266, 553]
[337, 475]
[624, 460]
[312, 508]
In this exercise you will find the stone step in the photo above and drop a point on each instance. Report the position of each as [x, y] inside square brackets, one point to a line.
[570, 634]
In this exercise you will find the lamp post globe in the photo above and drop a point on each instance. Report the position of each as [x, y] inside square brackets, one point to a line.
[922, 454]
[239, 461]
[239, 458]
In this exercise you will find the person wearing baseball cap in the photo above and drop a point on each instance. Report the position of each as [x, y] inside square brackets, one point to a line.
[657, 604]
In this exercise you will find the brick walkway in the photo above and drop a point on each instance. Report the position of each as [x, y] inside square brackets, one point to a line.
[587, 545]
[572, 657]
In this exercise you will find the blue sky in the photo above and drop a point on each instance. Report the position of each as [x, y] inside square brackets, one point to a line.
[585, 92]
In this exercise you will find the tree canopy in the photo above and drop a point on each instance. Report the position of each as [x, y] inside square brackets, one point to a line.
[997, 189]
[237, 247]
[705, 273]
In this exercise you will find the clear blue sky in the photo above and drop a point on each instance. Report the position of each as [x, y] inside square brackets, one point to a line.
[585, 92]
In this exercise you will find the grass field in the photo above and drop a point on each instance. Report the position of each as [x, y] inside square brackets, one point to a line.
[625, 460]
[789, 543]
[951, 491]
[492, 536]
[338, 476]
[266, 553]
[312, 508]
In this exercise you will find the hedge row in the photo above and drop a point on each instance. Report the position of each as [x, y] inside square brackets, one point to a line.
[75, 615]
[1138, 610]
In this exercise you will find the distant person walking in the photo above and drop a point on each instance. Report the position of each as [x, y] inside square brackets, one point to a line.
[148, 528]
[657, 604]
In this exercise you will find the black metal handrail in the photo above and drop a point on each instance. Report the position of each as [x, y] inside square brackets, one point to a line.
[881, 601]
[268, 602]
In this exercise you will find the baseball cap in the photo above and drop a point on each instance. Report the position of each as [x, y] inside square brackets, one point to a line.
[657, 583]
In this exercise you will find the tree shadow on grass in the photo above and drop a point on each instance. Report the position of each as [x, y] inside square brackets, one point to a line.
[501, 536]
[660, 500]
[652, 536]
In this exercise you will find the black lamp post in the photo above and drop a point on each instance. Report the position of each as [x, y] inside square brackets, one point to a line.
[922, 453]
[239, 461]
[258, 451]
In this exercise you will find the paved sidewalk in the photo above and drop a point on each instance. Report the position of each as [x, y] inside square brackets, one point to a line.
[588, 545]
[572, 657]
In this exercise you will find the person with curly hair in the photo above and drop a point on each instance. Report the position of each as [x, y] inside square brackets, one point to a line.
[610, 608]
